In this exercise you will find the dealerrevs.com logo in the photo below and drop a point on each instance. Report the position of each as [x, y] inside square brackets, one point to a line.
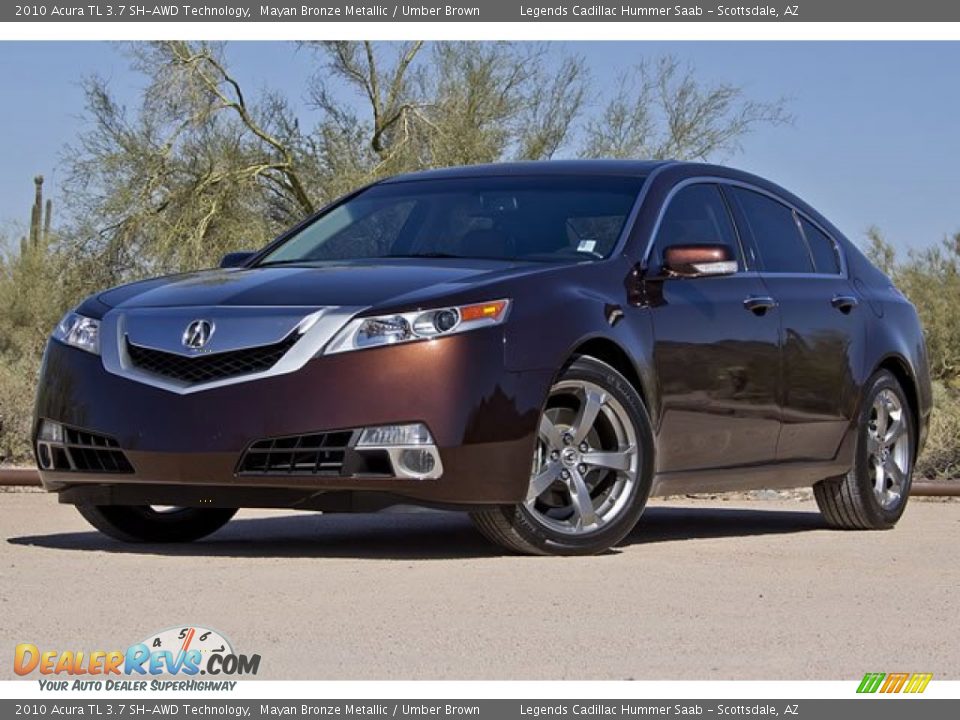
[889, 683]
[186, 651]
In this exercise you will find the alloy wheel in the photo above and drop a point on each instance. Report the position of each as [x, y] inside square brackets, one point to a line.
[585, 464]
[888, 448]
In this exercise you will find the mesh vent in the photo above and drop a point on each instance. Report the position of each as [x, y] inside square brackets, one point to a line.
[86, 452]
[206, 368]
[315, 454]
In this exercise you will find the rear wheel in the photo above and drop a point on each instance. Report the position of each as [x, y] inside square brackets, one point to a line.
[873, 495]
[156, 524]
[591, 472]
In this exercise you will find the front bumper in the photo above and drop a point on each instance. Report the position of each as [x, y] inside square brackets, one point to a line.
[483, 420]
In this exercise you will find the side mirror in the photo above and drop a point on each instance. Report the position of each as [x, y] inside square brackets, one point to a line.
[692, 261]
[236, 259]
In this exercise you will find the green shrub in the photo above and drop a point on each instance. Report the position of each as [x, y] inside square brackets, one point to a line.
[940, 459]
[930, 278]
[17, 388]
[36, 287]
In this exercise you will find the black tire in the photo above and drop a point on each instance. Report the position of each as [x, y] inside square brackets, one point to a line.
[849, 502]
[138, 524]
[515, 528]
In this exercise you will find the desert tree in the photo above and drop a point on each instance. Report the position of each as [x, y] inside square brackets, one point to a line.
[195, 169]
[662, 110]
[201, 165]
[450, 103]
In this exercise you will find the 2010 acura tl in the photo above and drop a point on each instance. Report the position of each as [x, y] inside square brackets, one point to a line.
[545, 345]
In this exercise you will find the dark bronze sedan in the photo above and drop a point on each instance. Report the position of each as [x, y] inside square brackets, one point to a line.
[544, 345]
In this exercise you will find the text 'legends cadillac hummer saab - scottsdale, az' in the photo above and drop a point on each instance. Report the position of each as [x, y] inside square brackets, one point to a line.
[543, 345]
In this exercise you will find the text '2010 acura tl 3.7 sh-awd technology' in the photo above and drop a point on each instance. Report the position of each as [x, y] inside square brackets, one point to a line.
[544, 345]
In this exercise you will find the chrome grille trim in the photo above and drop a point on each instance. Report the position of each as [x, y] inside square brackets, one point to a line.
[318, 327]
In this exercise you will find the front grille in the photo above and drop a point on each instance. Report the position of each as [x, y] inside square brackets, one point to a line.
[83, 451]
[316, 454]
[216, 366]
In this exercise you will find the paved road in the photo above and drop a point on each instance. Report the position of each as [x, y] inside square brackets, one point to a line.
[721, 590]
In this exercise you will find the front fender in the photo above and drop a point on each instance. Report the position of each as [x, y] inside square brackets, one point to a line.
[547, 326]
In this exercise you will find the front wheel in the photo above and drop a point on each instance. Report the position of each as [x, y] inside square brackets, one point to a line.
[591, 473]
[147, 523]
[873, 495]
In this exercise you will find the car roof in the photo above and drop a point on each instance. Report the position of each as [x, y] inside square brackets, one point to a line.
[627, 168]
[610, 168]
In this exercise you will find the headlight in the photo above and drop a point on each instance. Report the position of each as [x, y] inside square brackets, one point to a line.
[421, 325]
[80, 332]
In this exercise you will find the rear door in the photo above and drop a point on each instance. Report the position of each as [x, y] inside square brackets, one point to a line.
[821, 322]
[716, 346]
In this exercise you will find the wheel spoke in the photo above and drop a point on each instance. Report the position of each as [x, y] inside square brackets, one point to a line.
[550, 433]
[883, 419]
[879, 477]
[587, 416]
[873, 444]
[895, 430]
[620, 460]
[582, 502]
[893, 471]
[543, 480]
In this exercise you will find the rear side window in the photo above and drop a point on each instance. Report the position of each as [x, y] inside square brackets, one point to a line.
[822, 248]
[775, 233]
[697, 215]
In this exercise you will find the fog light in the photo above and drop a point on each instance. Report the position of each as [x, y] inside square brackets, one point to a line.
[418, 462]
[410, 450]
[43, 455]
[51, 431]
[393, 435]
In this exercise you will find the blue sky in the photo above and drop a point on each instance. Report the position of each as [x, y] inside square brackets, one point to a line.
[876, 138]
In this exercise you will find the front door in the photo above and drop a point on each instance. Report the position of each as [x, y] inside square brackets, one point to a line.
[716, 347]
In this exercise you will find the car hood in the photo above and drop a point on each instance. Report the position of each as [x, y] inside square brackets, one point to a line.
[355, 283]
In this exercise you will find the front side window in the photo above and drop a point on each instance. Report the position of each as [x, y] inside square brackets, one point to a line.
[547, 219]
[696, 215]
[775, 233]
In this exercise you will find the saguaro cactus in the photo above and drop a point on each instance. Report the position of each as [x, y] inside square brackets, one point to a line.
[40, 216]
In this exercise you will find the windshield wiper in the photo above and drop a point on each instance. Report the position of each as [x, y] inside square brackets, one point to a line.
[425, 255]
[309, 261]
[297, 261]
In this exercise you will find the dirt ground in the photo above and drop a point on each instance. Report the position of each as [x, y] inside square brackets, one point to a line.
[702, 589]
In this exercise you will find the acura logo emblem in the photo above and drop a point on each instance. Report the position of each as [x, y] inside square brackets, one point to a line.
[198, 334]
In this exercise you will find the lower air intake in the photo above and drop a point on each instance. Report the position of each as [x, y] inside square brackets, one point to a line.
[315, 454]
[85, 452]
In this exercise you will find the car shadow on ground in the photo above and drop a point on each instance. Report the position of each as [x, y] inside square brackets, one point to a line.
[424, 536]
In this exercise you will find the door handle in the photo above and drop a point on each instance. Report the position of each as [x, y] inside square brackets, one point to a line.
[759, 304]
[844, 303]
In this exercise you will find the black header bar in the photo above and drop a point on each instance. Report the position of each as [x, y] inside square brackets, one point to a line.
[484, 11]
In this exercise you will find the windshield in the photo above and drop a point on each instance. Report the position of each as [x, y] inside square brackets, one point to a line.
[505, 218]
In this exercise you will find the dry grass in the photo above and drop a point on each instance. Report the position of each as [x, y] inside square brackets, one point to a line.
[940, 459]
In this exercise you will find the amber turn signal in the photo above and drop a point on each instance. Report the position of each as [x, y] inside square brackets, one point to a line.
[483, 311]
